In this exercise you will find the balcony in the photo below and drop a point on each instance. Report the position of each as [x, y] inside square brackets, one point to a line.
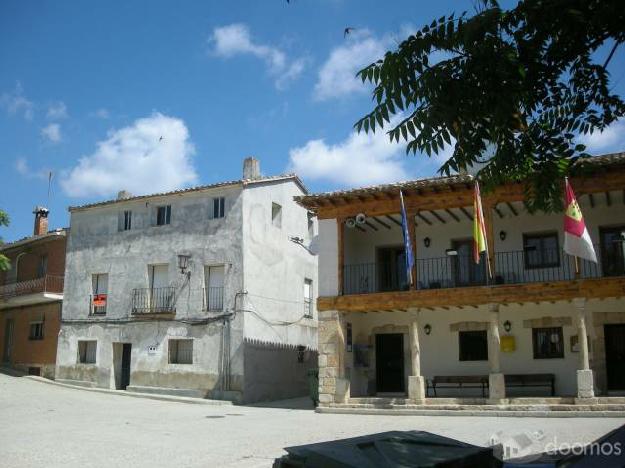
[214, 299]
[48, 288]
[153, 300]
[458, 271]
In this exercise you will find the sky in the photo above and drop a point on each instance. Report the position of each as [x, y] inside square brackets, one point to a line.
[154, 96]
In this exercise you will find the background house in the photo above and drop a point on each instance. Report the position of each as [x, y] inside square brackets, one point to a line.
[196, 292]
[31, 293]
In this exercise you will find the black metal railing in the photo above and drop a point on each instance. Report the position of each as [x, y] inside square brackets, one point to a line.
[153, 300]
[214, 298]
[308, 308]
[455, 271]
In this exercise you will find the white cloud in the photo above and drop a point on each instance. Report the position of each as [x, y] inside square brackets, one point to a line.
[611, 139]
[235, 39]
[57, 111]
[360, 159]
[337, 76]
[134, 158]
[52, 133]
[15, 103]
[101, 113]
[23, 168]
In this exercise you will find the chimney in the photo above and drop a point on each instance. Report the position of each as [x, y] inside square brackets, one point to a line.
[41, 221]
[251, 168]
[123, 195]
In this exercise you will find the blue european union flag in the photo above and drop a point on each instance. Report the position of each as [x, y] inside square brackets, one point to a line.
[407, 246]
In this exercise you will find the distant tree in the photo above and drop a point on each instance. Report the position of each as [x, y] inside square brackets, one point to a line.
[511, 89]
[4, 221]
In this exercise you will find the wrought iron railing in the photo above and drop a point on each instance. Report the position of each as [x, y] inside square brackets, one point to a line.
[308, 308]
[454, 271]
[214, 298]
[45, 284]
[153, 300]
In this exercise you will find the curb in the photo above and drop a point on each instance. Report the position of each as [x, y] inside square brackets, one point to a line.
[148, 396]
[466, 412]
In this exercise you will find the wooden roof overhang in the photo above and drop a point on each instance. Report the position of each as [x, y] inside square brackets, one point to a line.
[447, 193]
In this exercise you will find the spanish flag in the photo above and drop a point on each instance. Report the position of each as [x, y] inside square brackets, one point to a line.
[576, 238]
[479, 228]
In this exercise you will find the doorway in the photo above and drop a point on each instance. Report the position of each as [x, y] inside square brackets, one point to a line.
[615, 356]
[613, 250]
[125, 374]
[466, 271]
[8, 340]
[389, 363]
[392, 274]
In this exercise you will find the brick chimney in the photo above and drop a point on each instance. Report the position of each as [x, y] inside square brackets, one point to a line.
[41, 221]
[251, 168]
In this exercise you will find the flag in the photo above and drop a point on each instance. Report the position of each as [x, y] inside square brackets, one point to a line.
[407, 243]
[576, 238]
[479, 228]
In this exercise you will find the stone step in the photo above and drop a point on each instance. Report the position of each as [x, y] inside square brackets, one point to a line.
[486, 408]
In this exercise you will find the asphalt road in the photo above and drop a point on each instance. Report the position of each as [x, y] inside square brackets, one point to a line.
[49, 425]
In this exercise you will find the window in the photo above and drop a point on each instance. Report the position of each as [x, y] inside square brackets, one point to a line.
[473, 345]
[308, 303]
[181, 351]
[127, 226]
[99, 291]
[42, 267]
[214, 284]
[541, 250]
[276, 214]
[311, 224]
[163, 215]
[219, 204]
[87, 352]
[548, 343]
[36, 331]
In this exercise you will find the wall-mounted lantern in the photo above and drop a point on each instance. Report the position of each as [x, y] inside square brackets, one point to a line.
[427, 328]
[503, 235]
[183, 262]
[507, 326]
[427, 241]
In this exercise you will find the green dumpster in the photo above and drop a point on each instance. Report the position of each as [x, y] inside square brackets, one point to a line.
[313, 385]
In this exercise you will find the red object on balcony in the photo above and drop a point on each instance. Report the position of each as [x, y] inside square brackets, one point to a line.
[99, 300]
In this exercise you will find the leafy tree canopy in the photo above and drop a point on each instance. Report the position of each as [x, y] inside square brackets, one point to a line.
[4, 221]
[511, 89]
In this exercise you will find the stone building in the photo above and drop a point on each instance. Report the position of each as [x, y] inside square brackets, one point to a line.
[197, 292]
[457, 332]
[31, 293]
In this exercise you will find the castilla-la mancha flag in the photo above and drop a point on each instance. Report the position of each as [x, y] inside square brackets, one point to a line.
[576, 238]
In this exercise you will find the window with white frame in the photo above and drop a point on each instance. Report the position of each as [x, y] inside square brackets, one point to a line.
[214, 276]
[219, 204]
[99, 292]
[311, 224]
[87, 351]
[163, 215]
[180, 351]
[308, 301]
[276, 214]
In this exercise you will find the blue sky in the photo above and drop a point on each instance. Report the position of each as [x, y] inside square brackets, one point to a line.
[88, 88]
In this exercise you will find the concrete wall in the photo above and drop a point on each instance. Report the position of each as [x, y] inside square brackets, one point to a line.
[149, 368]
[274, 272]
[96, 245]
[440, 349]
[32, 353]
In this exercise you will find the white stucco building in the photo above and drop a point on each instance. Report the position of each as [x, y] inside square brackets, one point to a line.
[455, 332]
[198, 292]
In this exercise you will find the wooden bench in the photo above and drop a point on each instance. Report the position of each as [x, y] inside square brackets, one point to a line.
[458, 381]
[531, 380]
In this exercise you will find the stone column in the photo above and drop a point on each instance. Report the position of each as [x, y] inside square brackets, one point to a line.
[496, 383]
[416, 382]
[333, 386]
[585, 379]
